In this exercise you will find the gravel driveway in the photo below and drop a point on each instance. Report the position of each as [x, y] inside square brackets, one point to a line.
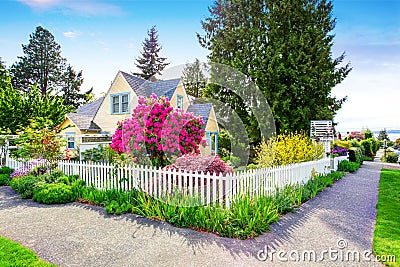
[79, 235]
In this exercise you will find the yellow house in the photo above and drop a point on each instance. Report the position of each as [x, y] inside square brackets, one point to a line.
[94, 123]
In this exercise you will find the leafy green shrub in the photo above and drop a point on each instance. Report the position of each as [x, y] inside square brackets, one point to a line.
[375, 145]
[54, 194]
[79, 189]
[4, 179]
[356, 155]
[252, 166]
[26, 185]
[354, 143]
[6, 170]
[100, 154]
[367, 145]
[235, 161]
[366, 158]
[348, 166]
[52, 177]
[116, 208]
[392, 157]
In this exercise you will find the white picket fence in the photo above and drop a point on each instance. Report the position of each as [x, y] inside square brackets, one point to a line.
[206, 188]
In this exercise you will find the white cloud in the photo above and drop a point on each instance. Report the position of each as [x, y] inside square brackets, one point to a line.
[79, 7]
[71, 34]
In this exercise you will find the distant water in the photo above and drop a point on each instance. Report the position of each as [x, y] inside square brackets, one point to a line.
[393, 134]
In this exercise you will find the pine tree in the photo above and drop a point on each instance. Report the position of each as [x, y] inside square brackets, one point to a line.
[284, 46]
[193, 78]
[72, 81]
[42, 65]
[150, 63]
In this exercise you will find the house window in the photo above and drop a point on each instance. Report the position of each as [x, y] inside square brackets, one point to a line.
[120, 103]
[125, 102]
[70, 140]
[179, 102]
[115, 104]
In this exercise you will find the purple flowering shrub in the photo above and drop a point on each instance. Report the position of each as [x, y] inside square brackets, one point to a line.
[37, 167]
[338, 151]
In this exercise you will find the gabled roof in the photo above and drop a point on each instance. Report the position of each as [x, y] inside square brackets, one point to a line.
[133, 81]
[166, 88]
[145, 88]
[90, 108]
[200, 110]
[84, 115]
[83, 122]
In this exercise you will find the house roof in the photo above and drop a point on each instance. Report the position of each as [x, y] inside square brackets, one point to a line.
[83, 117]
[145, 88]
[90, 108]
[200, 110]
[133, 81]
[83, 122]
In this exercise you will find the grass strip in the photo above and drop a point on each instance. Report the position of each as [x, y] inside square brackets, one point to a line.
[387, 228]
[13, 254]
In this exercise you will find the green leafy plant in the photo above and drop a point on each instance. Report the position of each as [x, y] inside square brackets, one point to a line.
[100, 154]
[392, 157]
[4, 179]
[54, 194]
[365, 158]
[26, 185]
[39, 140]
[348, 166]
[6, 170]
[356, 155]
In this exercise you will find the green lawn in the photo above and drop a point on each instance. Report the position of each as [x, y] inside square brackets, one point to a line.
[387, 229]
[13, 254]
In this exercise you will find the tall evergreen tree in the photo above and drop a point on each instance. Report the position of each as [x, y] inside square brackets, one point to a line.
[150, 63]
[193, 78]
[284, 46]
[72, 81]
[43, 65]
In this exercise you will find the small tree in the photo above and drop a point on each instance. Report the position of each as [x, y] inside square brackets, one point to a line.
[368, 134]
[39, 140]
[150, 63]
[193, 78]
[383, 135]
[158, 130]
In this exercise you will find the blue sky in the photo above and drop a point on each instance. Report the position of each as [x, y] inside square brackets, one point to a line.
[101, 37]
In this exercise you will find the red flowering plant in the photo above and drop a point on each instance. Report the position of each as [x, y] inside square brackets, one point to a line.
[158, 131]
[206, 164]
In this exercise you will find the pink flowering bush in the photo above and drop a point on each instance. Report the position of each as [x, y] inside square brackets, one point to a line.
[195, 163]
[158, 130]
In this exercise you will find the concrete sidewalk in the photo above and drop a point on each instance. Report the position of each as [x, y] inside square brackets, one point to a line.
[80, 235]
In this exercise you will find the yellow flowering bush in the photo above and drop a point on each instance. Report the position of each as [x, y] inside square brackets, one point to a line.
[287, 149]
